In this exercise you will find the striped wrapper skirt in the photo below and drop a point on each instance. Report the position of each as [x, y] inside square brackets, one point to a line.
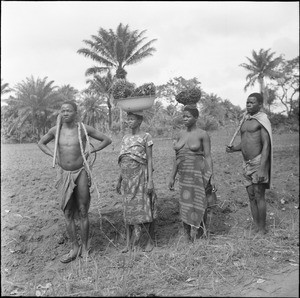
[194, 177]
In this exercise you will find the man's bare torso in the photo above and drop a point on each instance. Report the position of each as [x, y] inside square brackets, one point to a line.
[251, 142]
[69, 149]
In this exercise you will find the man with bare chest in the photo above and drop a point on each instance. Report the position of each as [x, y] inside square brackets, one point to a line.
[74, 181]
[256, 148]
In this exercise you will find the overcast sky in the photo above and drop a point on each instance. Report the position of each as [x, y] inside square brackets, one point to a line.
[207, 40]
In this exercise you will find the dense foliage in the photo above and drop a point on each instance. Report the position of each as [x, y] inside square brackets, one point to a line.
[117, 49]
[189, 96]
[262, 65]
[30, 108]
[123, 89]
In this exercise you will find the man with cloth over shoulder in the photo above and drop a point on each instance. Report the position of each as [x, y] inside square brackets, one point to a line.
[257, 150]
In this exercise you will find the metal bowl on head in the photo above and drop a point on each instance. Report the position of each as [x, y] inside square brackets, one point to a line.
[133, 104]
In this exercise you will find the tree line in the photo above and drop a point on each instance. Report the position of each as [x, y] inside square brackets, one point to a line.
[35, 103]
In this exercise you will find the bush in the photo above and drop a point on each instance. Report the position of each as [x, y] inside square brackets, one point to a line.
[281, 123]
[145, 89]
[123, 89]
[189, 97]
[115, 127]
[208, 123]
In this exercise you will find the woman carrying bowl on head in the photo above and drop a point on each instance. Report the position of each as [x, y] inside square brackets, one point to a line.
[135, 183]
[194, 165]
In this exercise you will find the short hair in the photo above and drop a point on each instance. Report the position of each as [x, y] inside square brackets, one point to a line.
[192, 109]
[258, 97]
[72, 103]
[139, 117]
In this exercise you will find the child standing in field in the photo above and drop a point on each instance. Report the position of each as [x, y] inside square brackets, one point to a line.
[74, 181]
[135, 183]
[256, 148]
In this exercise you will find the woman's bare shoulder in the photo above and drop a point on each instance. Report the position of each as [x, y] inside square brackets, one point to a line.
[201, 132]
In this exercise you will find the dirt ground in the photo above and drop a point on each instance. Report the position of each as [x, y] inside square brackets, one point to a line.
[32, 226]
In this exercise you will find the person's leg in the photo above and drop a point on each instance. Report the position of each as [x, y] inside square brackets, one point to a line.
[151, 235]
[202, 228]
[253, 204]
[187, 232]
[82, 193]
[71, 230]
[137, 230]
[128, 238]
[261, 207]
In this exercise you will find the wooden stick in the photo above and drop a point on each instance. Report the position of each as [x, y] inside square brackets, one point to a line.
[237, 130]
[58, 120]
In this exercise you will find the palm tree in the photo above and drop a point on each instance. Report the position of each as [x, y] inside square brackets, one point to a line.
[5, 88]
[261, 66]
[67, 92]
[35, 101]
[92, 110]
[103, 86]
[116, 49]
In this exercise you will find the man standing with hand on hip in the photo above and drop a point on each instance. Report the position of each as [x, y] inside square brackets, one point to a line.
[75, 176]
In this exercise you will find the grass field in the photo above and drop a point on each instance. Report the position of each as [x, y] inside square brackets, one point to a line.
[229, 262]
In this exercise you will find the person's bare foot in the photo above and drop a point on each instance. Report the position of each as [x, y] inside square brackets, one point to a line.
[85, 253]
[149, 247]
[125, 249]
[71, 255]
[254, 230]
[262, 231]
[135, 248]
[187, 238]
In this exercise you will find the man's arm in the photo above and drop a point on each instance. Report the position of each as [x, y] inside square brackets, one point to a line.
[265, 152]
[48, 137]
[230, 149]
[97, 135]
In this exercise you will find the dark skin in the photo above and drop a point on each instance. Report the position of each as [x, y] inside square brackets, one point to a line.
[70, 159]
[197, 140]
[133, 232]
[255, 140]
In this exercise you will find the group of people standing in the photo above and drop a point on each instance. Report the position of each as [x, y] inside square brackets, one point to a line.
[193, 164]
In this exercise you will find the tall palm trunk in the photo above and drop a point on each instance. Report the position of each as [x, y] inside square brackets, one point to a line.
[263, 90]
[109, 100]
[121, 121]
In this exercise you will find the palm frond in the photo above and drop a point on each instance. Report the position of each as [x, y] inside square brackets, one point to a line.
[117, 49]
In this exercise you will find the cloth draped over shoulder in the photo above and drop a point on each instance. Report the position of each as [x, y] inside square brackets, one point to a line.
[263, 119]
[66, 182]
[194, 177]
[138, 206]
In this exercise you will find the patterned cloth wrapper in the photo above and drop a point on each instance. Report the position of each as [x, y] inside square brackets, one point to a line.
[139, 207]
[135, 146]
[194, 177]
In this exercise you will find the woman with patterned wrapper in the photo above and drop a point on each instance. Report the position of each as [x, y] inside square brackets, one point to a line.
[193, 163]
[135, 183]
